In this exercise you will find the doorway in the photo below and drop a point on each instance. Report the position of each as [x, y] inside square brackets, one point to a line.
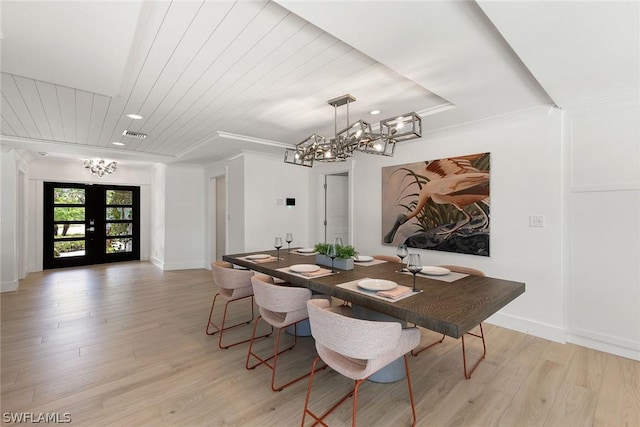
[218, 237]
[90, 224]
[336, 207]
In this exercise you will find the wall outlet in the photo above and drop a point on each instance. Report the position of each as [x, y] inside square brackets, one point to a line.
[536, 221]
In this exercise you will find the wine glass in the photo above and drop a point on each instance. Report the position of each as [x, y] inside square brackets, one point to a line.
[332, 252]
[402, 252]
[278, 244]
[338, 241]
[414, 266]
[288, 238]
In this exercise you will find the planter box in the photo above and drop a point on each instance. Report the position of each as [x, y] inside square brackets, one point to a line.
[339, 263]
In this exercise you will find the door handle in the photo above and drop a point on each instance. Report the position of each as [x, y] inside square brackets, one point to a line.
[91, 229]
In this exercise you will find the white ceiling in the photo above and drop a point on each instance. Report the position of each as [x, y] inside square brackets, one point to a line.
[213, 78]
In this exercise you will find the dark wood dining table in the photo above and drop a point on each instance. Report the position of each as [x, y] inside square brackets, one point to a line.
[451, 308]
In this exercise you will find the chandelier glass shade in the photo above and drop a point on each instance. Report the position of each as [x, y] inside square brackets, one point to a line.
[100, 167]
[359, 136]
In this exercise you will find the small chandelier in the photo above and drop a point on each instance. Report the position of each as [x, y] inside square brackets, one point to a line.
[358, 136]
[100, 167]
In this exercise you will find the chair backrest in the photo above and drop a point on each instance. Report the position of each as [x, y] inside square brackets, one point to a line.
[357, 338]
[225, 276]
[467, 270]
[390, 258]
[278, 298]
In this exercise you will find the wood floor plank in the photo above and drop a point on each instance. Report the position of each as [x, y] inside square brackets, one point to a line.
[123, 344]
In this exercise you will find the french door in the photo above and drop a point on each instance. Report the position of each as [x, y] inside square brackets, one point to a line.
[90, 224]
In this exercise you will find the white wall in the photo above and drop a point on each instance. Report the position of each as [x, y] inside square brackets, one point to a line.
[257, 186]
[526, 159]
[185, 209]
[8, 220]
[603, 236]
[235, 206]
[157, 218]
[269, 181]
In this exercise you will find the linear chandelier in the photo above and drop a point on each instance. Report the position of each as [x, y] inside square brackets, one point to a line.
[100, 167]
[358, 136]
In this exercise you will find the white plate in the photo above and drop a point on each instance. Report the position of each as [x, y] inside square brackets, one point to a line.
[306, 250]
[376, 284]
[258, 256]
[304, 268]
[363, 258]
[435, 271]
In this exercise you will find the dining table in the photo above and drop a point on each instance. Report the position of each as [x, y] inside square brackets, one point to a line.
[451, 307]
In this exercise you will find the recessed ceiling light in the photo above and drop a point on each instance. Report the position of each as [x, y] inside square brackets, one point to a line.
[374, 112]
[134, 116]
[117, 143]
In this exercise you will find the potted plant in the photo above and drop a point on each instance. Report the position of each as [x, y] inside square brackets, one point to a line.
[344, 260]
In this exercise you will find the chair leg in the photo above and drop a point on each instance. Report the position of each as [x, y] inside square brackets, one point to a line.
[467, 374]
[355, 401]
[413, 406]
[354, 393]
[262, 361]
[417, 352]
[222, 327]
[276, 353]
[318, 419]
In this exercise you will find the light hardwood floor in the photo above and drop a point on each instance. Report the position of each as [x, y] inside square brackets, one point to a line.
[124, 344]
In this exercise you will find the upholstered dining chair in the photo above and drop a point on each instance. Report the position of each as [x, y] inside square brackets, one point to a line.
[233, 285]
[478, 334]
[357, 349]
[280, 306]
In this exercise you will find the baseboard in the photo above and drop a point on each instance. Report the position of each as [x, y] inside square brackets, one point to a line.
[184, 265]
[584, 338]
[608, 344]
[9, 286]
[542, 330]
[155, 261]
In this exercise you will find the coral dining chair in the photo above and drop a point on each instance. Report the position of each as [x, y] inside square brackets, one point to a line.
[233, 285]
[281, 307]
[357, 349]
[477, 334]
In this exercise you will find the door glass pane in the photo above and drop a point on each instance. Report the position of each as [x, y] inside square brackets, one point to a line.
[68, 214]
[119, 197]
[68, 230]
[119, 213]
[68, 248]
[68, 196]
[119, 245]
[119, 229]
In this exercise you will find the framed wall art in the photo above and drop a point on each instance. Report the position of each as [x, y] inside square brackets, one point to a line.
[438, 204]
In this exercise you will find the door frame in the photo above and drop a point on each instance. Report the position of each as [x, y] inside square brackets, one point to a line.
[320, 172]
[213, 219]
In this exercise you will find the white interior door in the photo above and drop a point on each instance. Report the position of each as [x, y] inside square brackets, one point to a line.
[337, 208]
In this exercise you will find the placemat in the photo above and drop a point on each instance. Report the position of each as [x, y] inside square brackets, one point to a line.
[353, 286]
[369, 263]
[451, 277]
[320, 273]
[261, 261]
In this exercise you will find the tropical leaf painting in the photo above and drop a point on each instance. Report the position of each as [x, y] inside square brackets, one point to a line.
[438, 204]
